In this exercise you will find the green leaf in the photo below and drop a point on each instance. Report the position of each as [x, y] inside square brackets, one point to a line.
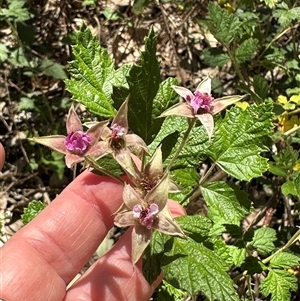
[53, 69]
[140, 5]
[89, 2]
[194, 150]
[143, 84]
[279, 284]
[18, 58]
[224, 26]
[284, 161]
[226, 203]
[186, 179]
[284, 260]
[296, 179]
[270, 3]
[222, 250]
[15, 11]
[105, 165]
[238, 255]
[111, 14]
[194, 268]
[240, 138]
[56, 163]
[274, 56]
[195, 224]
[120, 86]
[277, 170]
[170, 293]
[289, 188]
[3, 52]
[153, 255]
[286, 15]
[92, 73]
[165, 98]
[263, 240]
[261, 86]
[246, 49]
[33, 209]
[26, 103]
[215, 57]
[253, 265]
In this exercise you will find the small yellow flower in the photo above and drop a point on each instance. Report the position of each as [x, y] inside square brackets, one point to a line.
[288, 123]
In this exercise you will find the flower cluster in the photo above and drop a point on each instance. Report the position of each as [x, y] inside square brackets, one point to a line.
[99, 140]
[145, 203]
[145, 207]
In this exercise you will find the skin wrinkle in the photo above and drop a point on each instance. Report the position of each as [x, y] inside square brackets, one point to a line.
[85, 204]
[78, 246]
[123, 282]
[36, 241]
[99, 198]
[61, 253]
[26, 276]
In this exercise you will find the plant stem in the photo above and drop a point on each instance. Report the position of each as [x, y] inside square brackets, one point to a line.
[292, 131]
[204, 178]
[279, 35]
[294, 238]
[183, 141]
[196, 190]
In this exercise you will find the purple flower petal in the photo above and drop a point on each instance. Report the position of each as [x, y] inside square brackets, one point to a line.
[77, 142]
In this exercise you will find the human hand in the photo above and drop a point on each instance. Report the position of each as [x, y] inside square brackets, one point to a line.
[39, 261]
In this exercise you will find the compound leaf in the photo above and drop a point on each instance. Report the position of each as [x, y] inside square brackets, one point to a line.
[279, 283]
[246, 49]
[224, 26]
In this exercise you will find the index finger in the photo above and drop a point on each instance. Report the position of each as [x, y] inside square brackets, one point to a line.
[61, 239]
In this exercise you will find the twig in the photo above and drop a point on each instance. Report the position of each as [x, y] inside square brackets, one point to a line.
[270, 204]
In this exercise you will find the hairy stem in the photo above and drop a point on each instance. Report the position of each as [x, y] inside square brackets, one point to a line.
[183, 141]
[294, 238]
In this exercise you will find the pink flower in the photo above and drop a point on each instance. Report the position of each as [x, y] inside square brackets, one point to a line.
[77, 144]
[151, 174]
[115, 140]
[146, 213]
[200, 104]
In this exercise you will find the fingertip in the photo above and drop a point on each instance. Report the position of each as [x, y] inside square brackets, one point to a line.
[176, 209]
[2, 156]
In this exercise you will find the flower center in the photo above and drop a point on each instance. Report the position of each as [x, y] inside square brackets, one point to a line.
[148, 183]
[117, 136]
[200, 101]
[77, 142]
[146, 215]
